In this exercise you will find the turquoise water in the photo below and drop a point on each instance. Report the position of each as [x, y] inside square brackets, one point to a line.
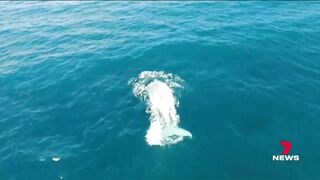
[251, 76]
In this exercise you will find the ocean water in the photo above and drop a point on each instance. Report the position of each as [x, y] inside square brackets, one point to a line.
[250, 77]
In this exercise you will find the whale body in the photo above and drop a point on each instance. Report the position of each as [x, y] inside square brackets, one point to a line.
[164, 122]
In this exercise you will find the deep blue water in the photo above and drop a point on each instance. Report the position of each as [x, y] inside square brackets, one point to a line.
[251, 72]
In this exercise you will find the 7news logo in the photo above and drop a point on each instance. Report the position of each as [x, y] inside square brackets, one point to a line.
[285, 154]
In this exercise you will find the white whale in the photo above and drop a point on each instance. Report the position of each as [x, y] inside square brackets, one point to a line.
[164, 118]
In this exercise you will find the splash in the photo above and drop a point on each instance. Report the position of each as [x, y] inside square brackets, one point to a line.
[157, 90]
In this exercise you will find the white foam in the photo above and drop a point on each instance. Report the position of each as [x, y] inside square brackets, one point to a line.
[157, 90]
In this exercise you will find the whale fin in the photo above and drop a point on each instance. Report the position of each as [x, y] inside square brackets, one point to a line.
[175, 134]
